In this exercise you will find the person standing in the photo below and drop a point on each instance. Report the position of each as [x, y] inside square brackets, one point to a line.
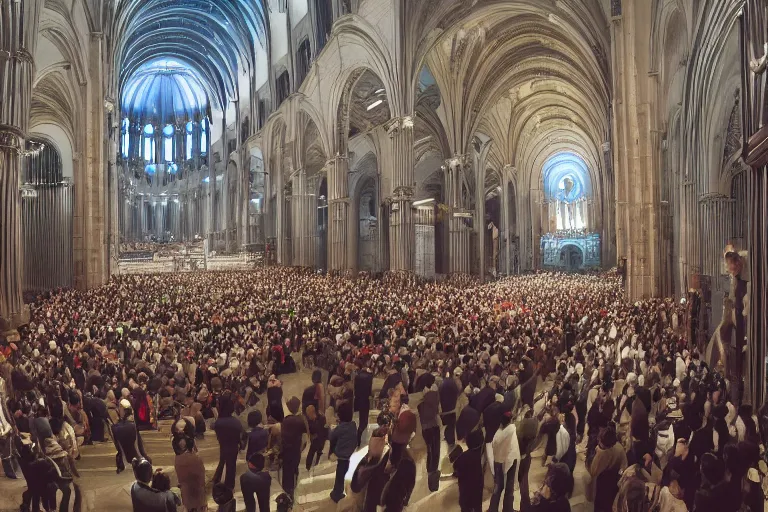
[318, 435]
[363, 385]
[126, 437]
[506, 457]
[229, 432]
[343, 443]
[527, 433]
[449, 395]
[293, 428]
[468, 468]
[143, 497]
[258, 437]
[255, 484]
[190, 472]
[429, 409]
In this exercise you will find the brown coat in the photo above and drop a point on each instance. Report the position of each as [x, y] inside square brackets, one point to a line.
[191, 474]
[610, 459]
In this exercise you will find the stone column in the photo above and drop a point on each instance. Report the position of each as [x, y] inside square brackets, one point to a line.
[504, 250]
[635, 168]
[114, 202]
[18, 34]
[459, 234]
[401, 226]
[303, 219]
[338, 213]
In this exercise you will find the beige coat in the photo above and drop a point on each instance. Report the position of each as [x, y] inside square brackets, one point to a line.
[191, 474]
[611, 459]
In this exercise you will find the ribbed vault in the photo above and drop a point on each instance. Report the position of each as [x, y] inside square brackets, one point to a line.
[215, 38]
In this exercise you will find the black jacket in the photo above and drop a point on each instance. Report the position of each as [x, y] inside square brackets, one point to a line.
[229, 431]
[255, 486]
[127, 440]
[363, 391]
[449, 394]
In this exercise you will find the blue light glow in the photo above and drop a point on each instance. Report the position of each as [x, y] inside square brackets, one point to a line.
[164, 90]
[566, 177]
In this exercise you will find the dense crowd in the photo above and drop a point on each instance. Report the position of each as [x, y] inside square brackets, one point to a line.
[460, 361]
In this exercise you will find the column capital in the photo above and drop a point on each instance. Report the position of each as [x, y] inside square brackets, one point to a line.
[401, 194]
[713, 197]
[397, 124]
[337, 158]
[10, 139]
[456, 162]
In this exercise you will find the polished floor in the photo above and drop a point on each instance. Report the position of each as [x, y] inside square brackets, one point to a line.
[104, 490]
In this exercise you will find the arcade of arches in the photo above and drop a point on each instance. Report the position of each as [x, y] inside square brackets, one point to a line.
[437, 137]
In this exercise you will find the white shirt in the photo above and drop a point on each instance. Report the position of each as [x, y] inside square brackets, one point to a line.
[505, 448]
[668, 503]
[563, 439]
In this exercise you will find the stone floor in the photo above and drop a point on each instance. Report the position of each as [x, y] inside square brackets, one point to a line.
[104, 490]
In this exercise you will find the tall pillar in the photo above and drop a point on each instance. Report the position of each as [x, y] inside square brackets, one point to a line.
[504, 250]
[338, 213]
[401, 225]
[18, 34]
[303, 219]
[634, 144]
[459, 234]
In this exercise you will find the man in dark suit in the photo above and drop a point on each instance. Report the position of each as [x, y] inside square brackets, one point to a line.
[293, 429]
[449, 395]
[255, 484]
[363, 391]
[229, 432]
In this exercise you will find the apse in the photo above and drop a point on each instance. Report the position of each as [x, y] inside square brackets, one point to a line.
[568, 241]
[164, 146]
[567, 188]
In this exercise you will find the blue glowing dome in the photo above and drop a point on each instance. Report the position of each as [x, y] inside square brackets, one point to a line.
[164, 91]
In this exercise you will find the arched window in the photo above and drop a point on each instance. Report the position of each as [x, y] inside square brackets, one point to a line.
[149, 143]
[189, 140]
[204, 136]
[126, 137]
[168, 143]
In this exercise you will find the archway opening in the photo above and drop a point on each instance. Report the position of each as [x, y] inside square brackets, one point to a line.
[492, 226]
[571, 257]
[47, 213]
[368, 253]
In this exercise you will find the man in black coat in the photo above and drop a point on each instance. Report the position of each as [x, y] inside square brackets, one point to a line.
[256, 482]
[96, 411]
[127, 438]
[449, 395]
[293, 429]
[363, 391]
[229, 432]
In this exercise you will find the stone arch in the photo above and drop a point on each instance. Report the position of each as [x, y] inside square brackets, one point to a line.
[362, 46]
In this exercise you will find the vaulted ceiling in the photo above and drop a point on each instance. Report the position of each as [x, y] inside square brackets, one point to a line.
[215, 38]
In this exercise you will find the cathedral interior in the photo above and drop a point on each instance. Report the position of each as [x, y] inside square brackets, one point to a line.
[436, 137]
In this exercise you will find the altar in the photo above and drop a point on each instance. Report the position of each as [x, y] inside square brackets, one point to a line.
[570, 250]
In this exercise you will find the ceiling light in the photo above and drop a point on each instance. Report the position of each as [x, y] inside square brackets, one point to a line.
[375, 104]
[378, 91]
[424, 201]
